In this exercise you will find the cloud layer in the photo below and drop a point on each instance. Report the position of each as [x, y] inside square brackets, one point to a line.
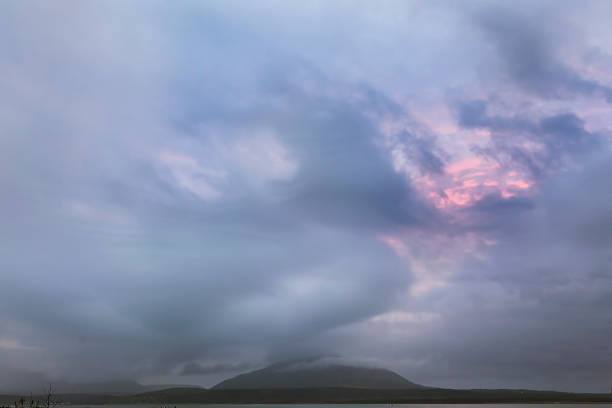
[190, 191]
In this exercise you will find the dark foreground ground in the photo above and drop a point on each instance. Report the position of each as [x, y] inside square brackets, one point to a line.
[325, 395]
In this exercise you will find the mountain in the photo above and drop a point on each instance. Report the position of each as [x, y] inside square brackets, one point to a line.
[317, 373]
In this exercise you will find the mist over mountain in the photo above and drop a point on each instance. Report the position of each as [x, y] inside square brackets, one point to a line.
[110, 387]
[102, 387]
[318, 372]
[306, 381]
[113, 387]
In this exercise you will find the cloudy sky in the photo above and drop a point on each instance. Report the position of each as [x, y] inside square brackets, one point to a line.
[193, 189]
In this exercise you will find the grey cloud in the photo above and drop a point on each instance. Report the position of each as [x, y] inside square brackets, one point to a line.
[116, 266]
[558, 137]
[531, 52]
[344, 176]
[474, 114]
[552, 292]
[425, 152]
[530, 311]
[199, 369]
[494, 204]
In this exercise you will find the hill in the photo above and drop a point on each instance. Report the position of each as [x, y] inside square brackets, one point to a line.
[114, 387]
[317, 373]
[351, 395]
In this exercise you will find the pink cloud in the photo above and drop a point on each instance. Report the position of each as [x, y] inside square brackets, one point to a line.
[457, 197]
[470, 183]
[395, 243]
[522, 184]
[468, 180]
[465, 164]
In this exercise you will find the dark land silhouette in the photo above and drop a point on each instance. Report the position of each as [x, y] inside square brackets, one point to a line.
[303, 381]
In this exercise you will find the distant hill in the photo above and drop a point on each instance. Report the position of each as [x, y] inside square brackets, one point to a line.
[116, 387]
[104, 387]
[318, 373]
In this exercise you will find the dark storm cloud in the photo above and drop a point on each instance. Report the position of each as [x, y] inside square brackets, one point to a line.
[558, 138]
[494, 204]
[424, 152]
[335, 141]
[341, 165]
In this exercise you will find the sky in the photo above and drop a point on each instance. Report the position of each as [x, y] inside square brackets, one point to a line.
[191, 190]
